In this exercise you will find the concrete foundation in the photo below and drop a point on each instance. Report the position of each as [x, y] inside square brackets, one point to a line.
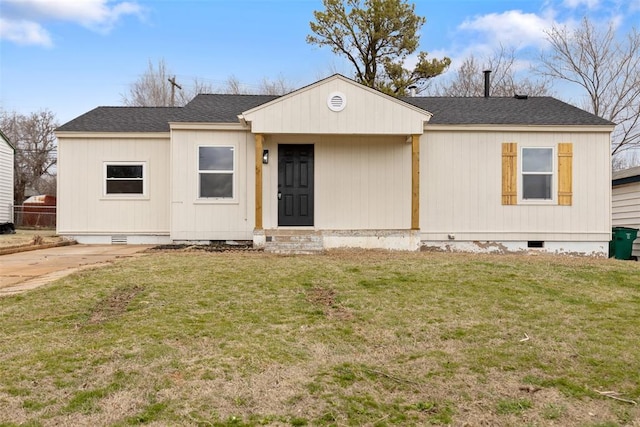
[119, 239]
[595, 249]
[314, 241]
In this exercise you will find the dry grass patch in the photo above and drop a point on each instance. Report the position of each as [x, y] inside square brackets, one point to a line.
[348, 338]
[28, 238]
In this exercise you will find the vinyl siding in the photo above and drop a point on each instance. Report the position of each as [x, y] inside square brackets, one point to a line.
[361, 182]
[6, 182]
[461, 188]
[200, 219]
[82, 205]
[366, 112]
[626, 209]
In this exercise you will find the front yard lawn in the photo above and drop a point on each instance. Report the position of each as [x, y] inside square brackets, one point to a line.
[348, 338]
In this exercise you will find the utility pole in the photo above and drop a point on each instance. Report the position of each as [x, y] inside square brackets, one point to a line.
[172, 80]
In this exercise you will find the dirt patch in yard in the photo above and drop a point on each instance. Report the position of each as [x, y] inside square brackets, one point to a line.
[213, 246]
[114, 305]
[326, 300]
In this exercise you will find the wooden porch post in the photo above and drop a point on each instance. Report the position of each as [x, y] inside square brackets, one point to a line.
[259, 143]
[415, 182]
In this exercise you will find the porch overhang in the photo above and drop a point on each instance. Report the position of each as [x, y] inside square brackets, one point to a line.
[336, 106]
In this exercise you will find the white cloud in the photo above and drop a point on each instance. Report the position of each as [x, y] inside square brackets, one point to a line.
[574, 4]
[483, 35]
[512, 28]
[24, 32]
[22, 20]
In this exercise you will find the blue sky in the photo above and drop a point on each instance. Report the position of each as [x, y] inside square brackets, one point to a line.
[70, 56]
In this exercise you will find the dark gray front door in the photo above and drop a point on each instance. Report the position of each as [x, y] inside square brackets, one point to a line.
[295, 184]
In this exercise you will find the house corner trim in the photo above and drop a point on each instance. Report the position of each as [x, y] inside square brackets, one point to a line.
[258, 211]
[415, 182]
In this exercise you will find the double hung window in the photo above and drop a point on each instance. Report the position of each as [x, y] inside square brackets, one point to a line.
[216, 172]
[124, 179]
[537, 173]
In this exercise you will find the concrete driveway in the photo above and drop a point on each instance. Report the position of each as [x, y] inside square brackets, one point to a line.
[22, 271]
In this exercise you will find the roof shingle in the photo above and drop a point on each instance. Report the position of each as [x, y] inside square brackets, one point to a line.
[123, 119]
[543, 110]
[222, 108]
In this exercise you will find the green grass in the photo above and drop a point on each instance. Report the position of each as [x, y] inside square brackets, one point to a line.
[349, 338]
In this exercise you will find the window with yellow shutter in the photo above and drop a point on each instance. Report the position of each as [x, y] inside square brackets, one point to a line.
[565, 174]
[537, 174]
[509, 173]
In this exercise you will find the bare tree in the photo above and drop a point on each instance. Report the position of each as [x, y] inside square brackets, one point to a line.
[279, 86]
[233, 86]
[606, 68]
[36, 151]
[621, 162]
[154, 88]
[506, 80]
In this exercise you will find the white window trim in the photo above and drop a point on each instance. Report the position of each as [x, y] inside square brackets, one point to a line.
[125, 196]
[554, 177]
[217, 200]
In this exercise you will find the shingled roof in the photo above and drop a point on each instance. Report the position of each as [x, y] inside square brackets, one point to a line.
[123, 119]
[543, 110]
[212, 108]
[221, 108]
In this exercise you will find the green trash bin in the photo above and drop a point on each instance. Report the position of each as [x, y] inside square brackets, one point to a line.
[621, 244]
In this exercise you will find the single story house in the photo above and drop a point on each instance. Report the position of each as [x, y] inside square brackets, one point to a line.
[337, 164]
[7, 155]
[625, 201]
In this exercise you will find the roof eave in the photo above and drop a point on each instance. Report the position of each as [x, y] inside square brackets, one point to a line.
[114, 134]
[209, 126]
[6, 138]
[627, 180]
[519, 127]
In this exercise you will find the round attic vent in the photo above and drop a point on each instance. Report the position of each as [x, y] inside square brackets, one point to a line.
[336, 101]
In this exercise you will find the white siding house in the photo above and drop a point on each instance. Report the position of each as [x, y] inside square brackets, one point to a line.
[7, 151]
[626, 201]
[337, 164]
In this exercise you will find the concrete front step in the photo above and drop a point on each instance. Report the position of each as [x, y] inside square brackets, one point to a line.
[294, 242]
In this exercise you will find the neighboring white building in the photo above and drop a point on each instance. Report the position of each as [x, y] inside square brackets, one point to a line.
[337, 164]
[7, 155]
[626, 201]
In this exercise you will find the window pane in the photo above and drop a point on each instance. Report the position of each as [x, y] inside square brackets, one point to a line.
[124, 171]
[536, 187]
[537, 159]
[115, 186]
[216, 159]
[216, 185]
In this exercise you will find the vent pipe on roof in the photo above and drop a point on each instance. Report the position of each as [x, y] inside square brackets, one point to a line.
[487, 82]
[412, 91]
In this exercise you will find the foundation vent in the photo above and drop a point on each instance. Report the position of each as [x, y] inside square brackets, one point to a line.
[336, 101]
[118, 240]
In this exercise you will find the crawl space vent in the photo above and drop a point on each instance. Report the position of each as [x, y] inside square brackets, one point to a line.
[118, 240]
[336, 101]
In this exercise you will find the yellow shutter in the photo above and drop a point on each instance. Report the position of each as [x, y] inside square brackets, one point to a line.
[565, 173]
[509, 173]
